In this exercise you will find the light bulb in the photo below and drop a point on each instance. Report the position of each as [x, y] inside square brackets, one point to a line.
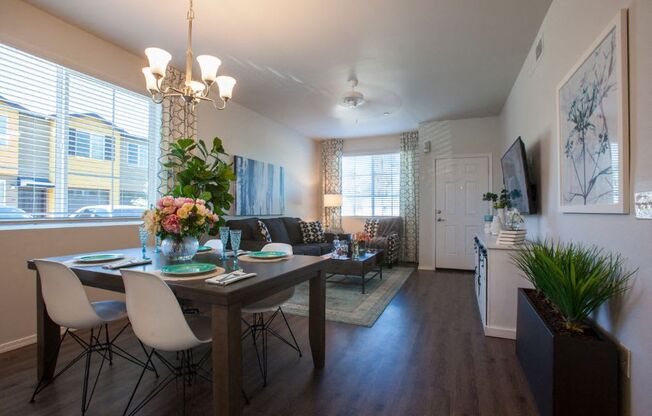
[225, 84]
[150, 80]
[158, 61]
[209, 66]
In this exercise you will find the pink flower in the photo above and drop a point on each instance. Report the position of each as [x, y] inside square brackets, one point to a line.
[169, 210]
[166, 201]
[200, 202]
[178, 202]
[171, 224]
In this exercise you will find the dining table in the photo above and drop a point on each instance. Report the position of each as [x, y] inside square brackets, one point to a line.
[225, 304]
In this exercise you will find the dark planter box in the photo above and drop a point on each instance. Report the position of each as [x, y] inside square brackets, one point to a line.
[567, 375]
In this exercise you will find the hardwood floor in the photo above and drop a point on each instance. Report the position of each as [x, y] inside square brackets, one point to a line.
[426, 355]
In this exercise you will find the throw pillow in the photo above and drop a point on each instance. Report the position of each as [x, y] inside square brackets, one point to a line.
[312, 232]
[262, 228]
[371, 227]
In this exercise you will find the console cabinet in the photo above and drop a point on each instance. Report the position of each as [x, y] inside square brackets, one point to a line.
[496, 281]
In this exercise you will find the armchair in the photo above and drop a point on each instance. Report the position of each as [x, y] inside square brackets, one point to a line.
[386, 233]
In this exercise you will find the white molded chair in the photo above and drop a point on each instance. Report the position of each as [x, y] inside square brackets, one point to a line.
[261, 327]
[68, 306]
[158, 321]
[215, 244]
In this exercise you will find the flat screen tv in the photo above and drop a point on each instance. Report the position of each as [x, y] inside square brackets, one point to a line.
[516, 178]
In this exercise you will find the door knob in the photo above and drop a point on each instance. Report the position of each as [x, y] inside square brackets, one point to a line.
[438, 211]
[440, 220]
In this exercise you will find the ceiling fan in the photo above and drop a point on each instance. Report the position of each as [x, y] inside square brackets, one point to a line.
[356, 105]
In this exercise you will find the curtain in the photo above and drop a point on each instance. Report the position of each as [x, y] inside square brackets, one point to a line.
[409, 199]
[331, 164]
[178, 121]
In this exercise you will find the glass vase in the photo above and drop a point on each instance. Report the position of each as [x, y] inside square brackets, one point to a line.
[179, 249]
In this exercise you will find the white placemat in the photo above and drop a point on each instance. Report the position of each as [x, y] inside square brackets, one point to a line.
[247, 258]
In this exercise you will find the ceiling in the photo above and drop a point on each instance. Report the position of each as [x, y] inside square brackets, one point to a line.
[415, 60]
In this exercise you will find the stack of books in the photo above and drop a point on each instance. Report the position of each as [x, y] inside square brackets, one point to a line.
[511, 237]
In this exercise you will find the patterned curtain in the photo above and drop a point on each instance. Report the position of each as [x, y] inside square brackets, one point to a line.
[178, 121]
[331, 167]
[409, 202]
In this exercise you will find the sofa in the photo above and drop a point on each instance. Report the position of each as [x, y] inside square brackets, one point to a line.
[386, 234]
[282, 230]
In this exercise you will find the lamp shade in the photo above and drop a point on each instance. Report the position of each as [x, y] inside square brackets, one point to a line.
[158, 61]
[225, 85]
[209, 66]
[332, 200]
[150, 80]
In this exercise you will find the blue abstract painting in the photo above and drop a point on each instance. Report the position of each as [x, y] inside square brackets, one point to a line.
[259, 187]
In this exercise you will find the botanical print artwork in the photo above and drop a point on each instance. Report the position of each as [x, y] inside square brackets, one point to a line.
[589, 119]
[259, 188]
[592, 126]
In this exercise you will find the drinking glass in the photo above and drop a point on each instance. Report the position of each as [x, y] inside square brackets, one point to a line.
[235, 241]
[143, 235]
[224, 237]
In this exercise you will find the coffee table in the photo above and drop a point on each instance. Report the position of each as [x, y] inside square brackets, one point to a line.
[360, 266]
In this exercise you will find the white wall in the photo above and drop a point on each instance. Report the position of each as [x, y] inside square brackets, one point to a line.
[475, 136]
[244, 132]
[366, 146]
[530, 111]
[247, 133]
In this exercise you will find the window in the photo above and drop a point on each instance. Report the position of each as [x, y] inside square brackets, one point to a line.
[75, 134]
[91, 200]
[4, 131]
[3, 192]
[371, 185]
[136, 155]
[90, 145]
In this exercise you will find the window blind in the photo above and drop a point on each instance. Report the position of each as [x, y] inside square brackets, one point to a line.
[72, 146]
[371, 185]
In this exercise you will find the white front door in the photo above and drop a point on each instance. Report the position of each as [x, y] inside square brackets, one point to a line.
[460, 183]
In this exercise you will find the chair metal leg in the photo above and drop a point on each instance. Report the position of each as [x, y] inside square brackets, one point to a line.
[296, 344]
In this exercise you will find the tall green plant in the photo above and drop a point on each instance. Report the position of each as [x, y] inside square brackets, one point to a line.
[575, 279]
[201, 173]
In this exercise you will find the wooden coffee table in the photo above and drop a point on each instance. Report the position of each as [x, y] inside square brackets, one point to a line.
[361, 266]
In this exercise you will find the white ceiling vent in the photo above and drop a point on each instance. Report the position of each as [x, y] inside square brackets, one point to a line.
[535, 56]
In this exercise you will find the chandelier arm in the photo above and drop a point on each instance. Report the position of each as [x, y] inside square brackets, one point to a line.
[159, 85]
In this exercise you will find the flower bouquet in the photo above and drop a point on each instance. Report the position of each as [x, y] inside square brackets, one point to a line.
[360, 241]
[179, 222]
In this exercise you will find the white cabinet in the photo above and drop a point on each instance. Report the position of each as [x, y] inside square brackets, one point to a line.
[496, 281]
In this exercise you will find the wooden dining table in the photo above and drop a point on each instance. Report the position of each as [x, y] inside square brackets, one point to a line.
[225, 302]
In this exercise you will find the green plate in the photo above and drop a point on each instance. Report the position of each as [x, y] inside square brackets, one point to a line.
[203, 249]
[98, 258]
[188, 269]
[267, 254]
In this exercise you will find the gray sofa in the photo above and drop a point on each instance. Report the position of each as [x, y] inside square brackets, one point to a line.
[282, 230]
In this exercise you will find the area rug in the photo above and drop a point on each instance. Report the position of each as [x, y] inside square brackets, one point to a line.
[344, 300]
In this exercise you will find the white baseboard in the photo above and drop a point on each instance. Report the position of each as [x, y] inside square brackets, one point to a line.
[22, 342]
[17, 343]
[499, 332]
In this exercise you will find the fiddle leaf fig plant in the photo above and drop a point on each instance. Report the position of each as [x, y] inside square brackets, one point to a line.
[200, 172]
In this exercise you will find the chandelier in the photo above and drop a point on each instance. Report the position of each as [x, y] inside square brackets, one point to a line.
[192, 91]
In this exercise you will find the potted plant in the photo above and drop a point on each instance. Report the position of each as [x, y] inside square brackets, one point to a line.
[571, 365]
[200, 173]
[179, 222]
[499, 202]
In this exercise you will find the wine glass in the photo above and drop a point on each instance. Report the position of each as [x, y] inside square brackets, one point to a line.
[143, 235]
[224, 237]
